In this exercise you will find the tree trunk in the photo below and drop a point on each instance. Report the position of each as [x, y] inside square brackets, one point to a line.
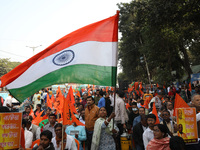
[186, 63]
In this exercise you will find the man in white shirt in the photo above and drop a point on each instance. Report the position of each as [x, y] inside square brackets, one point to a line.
[82, 117]
[121, 115]
[69, 142]
[8, 102]
[33, 128]
[148, 133]
[170, 108]
[27, 134]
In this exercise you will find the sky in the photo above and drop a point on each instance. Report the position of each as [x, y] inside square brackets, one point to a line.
[39, 23]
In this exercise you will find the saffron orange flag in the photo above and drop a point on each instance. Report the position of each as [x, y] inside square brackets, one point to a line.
[59, 99]
[107, 89]
[89, 92]
[22, 141]
[179, 103]
[146, 103]
[74, 119]
[66, 114]
[136, 85]
[72, 101]
[190, 87]
[69, 105]
[154, 111]
[49, 102]
[78, 94]
[53, 98]
[157, 85]
[37, 119]
[140, 89]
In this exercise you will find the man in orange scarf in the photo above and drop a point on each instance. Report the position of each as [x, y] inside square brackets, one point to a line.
[45, 141]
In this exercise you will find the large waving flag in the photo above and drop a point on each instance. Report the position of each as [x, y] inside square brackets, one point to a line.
[87, 56]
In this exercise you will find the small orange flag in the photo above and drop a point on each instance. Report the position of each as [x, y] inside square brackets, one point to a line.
[66, 114]
[78, 94]
[137, 92]
[179, 103]
[157, 85]
[49, 102]
[60, 107]
[22, 141]
[130, 90]
[190, 87]
[146, 103]
[74, 119]
[112, 89]
[89, 93]
[140, 89]
[69, 105]
[52, 98]
[72, 101]
[107, 89]
[37, 119]
[93, 88]
[59, 99]
[154, 111]
[136, 85]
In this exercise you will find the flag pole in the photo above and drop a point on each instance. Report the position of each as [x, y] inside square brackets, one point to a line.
[62, 137]
[114, 104]
[115, 76]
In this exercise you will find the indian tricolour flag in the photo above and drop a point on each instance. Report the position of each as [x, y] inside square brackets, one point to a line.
[86, 56]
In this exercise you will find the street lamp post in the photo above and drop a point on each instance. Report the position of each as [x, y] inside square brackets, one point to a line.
[33, 47]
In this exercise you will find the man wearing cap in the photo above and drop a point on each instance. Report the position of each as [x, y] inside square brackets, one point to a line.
[157, 98]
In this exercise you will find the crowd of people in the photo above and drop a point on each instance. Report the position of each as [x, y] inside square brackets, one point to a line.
[105, 117]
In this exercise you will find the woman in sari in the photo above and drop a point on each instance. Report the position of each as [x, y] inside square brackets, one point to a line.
[103, 130]
[161, 139]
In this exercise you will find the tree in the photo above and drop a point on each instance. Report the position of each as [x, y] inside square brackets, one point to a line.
[166, 32]
[6, 65]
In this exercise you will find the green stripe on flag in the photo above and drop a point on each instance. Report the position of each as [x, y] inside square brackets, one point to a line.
[83, 74]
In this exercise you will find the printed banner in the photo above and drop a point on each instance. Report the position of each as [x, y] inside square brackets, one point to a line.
[10, 130]
[187, 125]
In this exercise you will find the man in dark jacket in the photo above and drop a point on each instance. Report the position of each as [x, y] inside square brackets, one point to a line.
[133, 114]
[45, 141]
[138, 130]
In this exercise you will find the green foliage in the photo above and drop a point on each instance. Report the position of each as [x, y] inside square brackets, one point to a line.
[6, 65]
[166, 32]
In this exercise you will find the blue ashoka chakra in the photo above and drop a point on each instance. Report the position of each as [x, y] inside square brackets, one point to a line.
[64, 58]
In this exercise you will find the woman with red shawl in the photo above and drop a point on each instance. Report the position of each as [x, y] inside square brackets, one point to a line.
[161, 139]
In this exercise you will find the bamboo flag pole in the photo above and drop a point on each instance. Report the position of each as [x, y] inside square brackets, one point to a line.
[115, 78]
[114, 104]
[62, 137]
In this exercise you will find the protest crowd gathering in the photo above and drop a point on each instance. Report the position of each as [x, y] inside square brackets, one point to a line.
[107, 117]
[144, 115]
